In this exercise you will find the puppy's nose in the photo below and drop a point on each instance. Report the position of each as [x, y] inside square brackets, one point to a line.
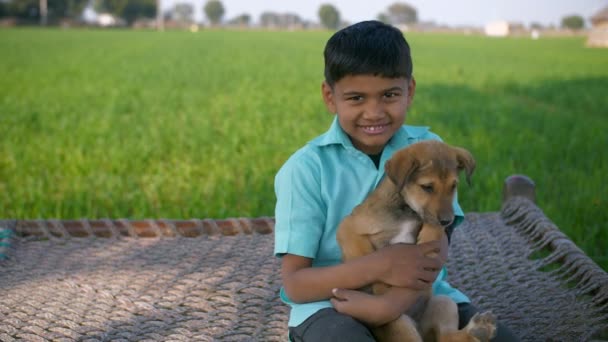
[446, 223]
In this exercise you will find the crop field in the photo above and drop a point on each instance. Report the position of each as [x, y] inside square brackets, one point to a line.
[141, 124]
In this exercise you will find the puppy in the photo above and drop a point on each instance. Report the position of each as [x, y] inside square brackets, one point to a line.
[413, 204]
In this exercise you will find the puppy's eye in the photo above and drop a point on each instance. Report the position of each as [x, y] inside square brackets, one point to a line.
[428, 188]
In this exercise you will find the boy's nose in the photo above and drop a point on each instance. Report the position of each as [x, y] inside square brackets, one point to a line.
[374, 110]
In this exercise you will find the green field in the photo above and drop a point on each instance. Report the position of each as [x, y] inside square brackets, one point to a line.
[127, 124]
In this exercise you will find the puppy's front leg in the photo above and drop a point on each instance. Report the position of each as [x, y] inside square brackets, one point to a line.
[429, 233]
[352, 244]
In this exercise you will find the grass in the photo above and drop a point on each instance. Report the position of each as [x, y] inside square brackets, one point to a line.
[142, 124]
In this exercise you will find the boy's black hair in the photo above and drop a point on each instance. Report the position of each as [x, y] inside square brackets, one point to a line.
[367, 48]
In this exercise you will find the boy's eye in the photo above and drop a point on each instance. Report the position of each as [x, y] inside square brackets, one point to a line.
[355, 98]
[391, 94]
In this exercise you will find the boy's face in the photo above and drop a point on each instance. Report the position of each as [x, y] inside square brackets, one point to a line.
[370, 108]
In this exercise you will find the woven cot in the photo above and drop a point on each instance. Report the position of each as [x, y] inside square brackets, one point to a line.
[216, 280]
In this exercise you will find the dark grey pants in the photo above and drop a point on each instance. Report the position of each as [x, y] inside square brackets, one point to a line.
[330, 326]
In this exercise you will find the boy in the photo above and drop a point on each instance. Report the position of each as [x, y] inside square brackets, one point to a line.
[369, 85]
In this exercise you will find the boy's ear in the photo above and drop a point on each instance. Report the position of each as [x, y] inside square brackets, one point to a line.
[411, 90]
[328, 97]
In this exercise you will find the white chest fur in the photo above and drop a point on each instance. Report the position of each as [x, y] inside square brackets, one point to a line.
[407, 232]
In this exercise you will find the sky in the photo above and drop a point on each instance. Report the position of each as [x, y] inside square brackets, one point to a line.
[453, 13]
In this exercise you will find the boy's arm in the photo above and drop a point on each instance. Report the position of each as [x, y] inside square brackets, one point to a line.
[375, 310]
[398, 265]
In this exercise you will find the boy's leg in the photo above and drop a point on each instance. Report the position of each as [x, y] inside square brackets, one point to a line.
[330, 325]
[466, 311]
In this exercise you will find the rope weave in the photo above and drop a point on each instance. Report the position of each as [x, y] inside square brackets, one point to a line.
[216, 280]
[221, 285]
[107, 228]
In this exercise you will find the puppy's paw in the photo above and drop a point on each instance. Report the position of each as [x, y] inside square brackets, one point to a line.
[482, 326]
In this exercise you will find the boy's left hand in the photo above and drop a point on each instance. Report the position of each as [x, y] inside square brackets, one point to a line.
[369, 309]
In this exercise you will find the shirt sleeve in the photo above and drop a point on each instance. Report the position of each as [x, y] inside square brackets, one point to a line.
[300, 212]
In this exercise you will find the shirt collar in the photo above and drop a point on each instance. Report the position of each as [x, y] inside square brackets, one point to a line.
[334, 136]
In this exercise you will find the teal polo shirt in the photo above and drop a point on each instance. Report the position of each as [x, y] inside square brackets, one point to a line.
[318, 186]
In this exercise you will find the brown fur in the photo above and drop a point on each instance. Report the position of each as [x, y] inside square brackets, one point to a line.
[417, 194]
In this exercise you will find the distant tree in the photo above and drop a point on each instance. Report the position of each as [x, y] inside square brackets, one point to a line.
[269, 19]
[290, 20]
[241, 20]
[329, 16]
[183, 13]
[136, 9]
[280, 20]
[536, 26]
[402, 13]
[115, 7]
[33, 10]
[574, 22]
[383, 17]
[214, 10]
[66, 8]
[129, 10]
[24, 9]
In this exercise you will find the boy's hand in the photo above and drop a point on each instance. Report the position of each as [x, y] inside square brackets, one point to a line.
[410, 266]
[369, 309]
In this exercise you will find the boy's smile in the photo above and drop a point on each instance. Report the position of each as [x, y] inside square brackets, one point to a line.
[370, 108]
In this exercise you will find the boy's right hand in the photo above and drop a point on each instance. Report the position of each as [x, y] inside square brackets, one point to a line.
[409, 266]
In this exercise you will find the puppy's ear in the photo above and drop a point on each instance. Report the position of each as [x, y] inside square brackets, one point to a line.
[465, 162]
[401, 167]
